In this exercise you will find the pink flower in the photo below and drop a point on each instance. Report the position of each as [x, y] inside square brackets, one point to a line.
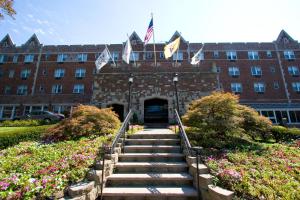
[4, 185]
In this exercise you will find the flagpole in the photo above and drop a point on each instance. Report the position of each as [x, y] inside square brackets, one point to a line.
[154, 42]
[131, 52]
[178, 50]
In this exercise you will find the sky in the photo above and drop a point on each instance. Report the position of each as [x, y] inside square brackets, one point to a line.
[109, 21]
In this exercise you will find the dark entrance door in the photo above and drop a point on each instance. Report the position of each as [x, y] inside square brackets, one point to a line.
[156, 111]
[119, 109]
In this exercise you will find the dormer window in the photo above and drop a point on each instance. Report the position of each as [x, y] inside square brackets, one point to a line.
[289, 55]
[231, 55]
[29, 58]
[82, 57]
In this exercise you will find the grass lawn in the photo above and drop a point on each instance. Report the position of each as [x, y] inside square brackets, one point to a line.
[253, 170]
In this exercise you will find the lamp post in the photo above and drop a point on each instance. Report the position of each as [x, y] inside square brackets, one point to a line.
[175, 80]
[130, 81]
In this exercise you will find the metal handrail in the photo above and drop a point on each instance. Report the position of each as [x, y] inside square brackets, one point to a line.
[121, 131]
[189, 149]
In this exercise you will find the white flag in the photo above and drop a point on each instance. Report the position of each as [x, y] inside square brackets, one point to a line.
[102, 59]
[197, 57]
[127, 51]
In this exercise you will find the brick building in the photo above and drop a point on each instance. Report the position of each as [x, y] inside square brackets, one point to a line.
[35, 77]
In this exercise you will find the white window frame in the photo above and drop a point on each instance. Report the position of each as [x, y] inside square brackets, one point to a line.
[253, 55]
[56, 89]
[11, 73]
[293, 70]
[82, 57]
[80, 73]
[62, 57]
[78, 89]
[269, 54]
[296, 86]
[2, 58]
[216, 54]
[25, 73]
[259, 87]
[134, 56]
[5, 89]
[59, 73]
[115, 56]
[233, 71]
[256, 71]
[179, 54]
[289, 55]
[231, 55]
[29, 58]
[22, 90]
[236, 87]
[276, 85]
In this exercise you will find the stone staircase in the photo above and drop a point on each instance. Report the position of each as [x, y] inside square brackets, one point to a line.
[153, 167]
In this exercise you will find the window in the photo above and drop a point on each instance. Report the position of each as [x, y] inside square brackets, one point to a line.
[82, 57]
[293, 70]
[29, 58]
[218, 69]
[148, 55]
[256, 71]
[253, 55]
[233, 71]
[281, 116]
[231, 55]
[115, 55]
[216, 54]
[270, 114]
[161, 55]
[296, 86]
[25, 74]
[11, 73]
[269, 54]
[78, 89]
[62, 58]
[15, 58]
[22, 90]
[41, 89]
[3, 59]
[134, 56]
[178, 56]
[80, 73]
[259, 87]
[7, 90]
[236, 87]
[276, 85]
[56, 89]
[59, 73]
[289, 55]
[272, 69]
[294, 116]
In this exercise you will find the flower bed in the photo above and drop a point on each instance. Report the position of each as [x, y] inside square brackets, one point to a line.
[269, 172]
[31, 170]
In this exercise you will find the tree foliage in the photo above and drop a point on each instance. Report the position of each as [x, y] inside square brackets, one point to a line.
[221, 113]
[6, 7]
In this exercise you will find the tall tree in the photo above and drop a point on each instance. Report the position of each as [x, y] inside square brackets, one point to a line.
[6, 7]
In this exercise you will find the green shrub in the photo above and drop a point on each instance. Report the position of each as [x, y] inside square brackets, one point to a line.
[22, 123]
[281, 133]
[85, 121]
[10, 136]
[294, 132]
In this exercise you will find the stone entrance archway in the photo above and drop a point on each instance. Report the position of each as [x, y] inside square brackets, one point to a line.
[119, 109]
[156, 111]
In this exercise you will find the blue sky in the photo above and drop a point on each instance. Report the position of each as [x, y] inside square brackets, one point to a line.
[108, 21]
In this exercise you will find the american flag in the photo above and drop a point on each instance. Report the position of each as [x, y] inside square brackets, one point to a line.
[149, 32]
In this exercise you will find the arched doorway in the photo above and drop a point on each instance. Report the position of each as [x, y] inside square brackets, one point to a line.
[119, 109]
[156, 111]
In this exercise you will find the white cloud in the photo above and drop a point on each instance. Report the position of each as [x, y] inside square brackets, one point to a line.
[39, 30]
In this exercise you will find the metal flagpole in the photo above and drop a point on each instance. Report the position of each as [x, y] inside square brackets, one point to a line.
[153, 42]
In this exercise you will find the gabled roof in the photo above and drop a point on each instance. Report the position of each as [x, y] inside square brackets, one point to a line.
[284, 37]
[33, 41]
[134, 38]
[176, 35]
[6, 41]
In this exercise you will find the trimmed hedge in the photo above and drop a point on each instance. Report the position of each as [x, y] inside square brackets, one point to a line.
[281, 133]
[10, 136]
[85, 121]
[22, 123]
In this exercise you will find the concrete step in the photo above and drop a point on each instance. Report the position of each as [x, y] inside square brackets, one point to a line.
[153, 141]
[149, 193]
[153, 179]
[154, 136]
[152, 149]
[147, 167]
[151, 157]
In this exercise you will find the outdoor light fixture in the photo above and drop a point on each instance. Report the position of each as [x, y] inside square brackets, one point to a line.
[175, 81]
[130, 81]
[175, 78]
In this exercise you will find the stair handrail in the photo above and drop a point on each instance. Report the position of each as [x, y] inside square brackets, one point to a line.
[121, 131]
[190, 149]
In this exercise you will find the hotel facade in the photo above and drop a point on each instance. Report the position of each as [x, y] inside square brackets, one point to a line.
[36, 77]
